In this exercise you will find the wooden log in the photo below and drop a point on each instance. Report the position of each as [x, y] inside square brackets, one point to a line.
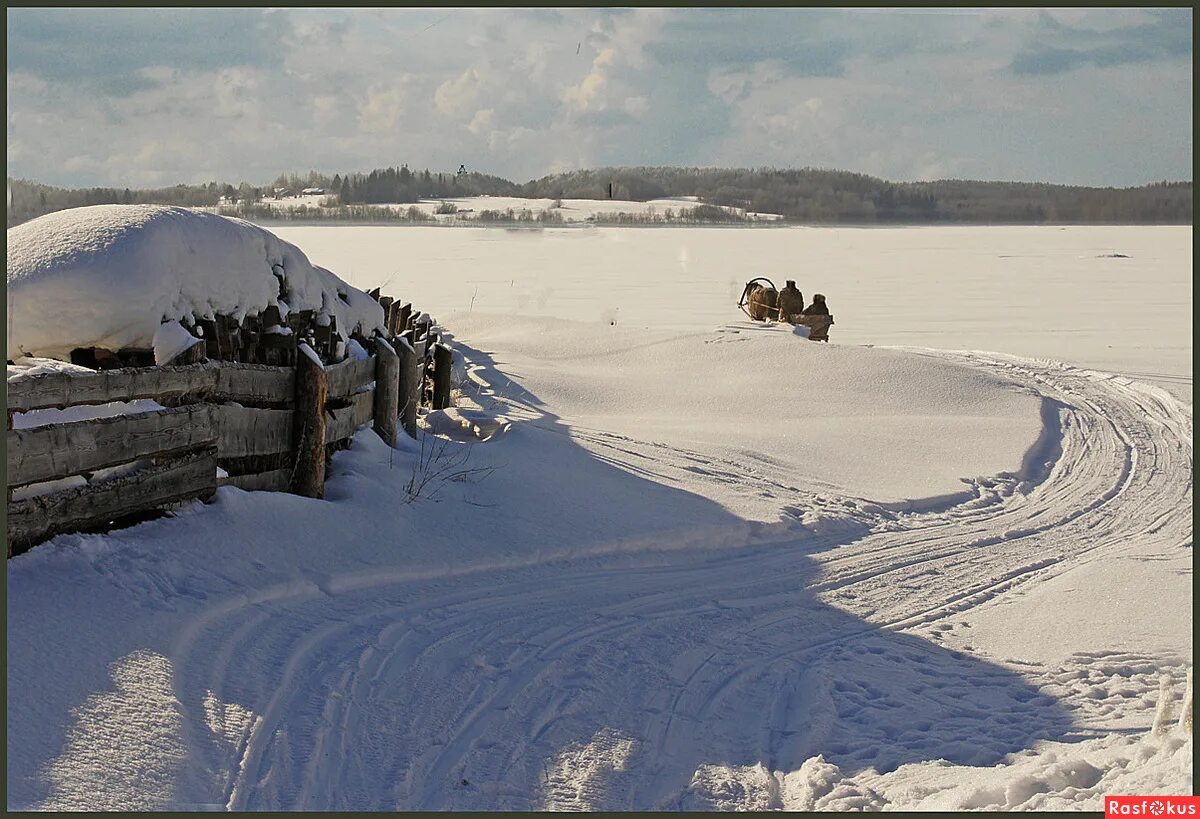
[244, 431]
[222, 381]
[62, 390]
[300, 321]
[387, 390]
[343, 422]
[443, 361]
[389, 318]
[208, 329]
[32, 520]
[422, 324]
[308, 478]
[405, 317]
[60, 450]
[347, 376]
[409, 397]
[254, 383]
[374, 293]
[276, 480]
[195, 354]
[323, 335]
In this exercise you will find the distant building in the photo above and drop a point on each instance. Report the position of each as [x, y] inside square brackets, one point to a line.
[313, 192]
[282, 192]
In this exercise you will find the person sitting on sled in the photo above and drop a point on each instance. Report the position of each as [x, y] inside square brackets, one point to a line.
[817, 308]
[791, 302]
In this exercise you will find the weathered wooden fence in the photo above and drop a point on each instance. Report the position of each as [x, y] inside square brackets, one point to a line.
[253, 426]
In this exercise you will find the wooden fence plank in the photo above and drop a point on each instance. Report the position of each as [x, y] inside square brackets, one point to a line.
[58, 450]
[347, 420]
[254, 383]
[347, 376]
[243, 431]
[276, 480]
[34, 519]
[225, 380]
[63, 390]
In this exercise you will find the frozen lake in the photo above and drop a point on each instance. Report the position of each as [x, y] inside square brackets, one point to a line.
[1048, 292]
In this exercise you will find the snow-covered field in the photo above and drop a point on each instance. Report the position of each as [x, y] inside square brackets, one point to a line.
[1043, 292]
[685, 561]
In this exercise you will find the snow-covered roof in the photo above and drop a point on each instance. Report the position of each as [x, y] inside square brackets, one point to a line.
[109, 275]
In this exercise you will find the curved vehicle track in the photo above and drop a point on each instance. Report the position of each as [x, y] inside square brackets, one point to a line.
[608, 682]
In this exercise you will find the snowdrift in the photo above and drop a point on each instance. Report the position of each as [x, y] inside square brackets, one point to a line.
[891, 427]
[109, 275]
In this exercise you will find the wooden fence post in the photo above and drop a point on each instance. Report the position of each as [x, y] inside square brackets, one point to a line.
[387, 390]
[308, 437]
[409, 385]
[443, 360]
[386, 303]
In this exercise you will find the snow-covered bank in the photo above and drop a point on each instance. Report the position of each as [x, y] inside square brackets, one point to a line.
[109, 275]
[593, 616]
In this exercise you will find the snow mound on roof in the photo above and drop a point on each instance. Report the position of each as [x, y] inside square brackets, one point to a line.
[108, 275]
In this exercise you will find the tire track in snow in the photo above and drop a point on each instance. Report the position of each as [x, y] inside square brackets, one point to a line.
[1120, 482]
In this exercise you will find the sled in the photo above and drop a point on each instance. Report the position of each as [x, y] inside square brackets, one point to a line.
[818, 326]
[759, 299]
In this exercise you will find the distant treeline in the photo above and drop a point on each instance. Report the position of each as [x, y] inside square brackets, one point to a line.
[811, 196]
[825, 197]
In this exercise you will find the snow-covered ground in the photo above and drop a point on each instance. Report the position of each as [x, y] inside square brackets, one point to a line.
[669, 559]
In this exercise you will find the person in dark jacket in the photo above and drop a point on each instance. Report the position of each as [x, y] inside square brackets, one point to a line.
[791, 302]
[817, 308]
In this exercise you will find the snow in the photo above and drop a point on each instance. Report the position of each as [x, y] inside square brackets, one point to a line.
[678, 561]
[1033, 291]
[109, 275]
[312, 354]
[171, 340]
[890, 427]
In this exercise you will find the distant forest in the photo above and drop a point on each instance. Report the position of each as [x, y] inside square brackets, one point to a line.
[806, 196]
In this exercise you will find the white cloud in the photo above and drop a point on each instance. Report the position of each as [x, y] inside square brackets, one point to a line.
[482, 121]
[520, 92]
[458, 94]
[586, 94]
[379, 109]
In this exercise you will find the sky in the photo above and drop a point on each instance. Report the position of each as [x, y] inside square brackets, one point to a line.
[150, 97]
